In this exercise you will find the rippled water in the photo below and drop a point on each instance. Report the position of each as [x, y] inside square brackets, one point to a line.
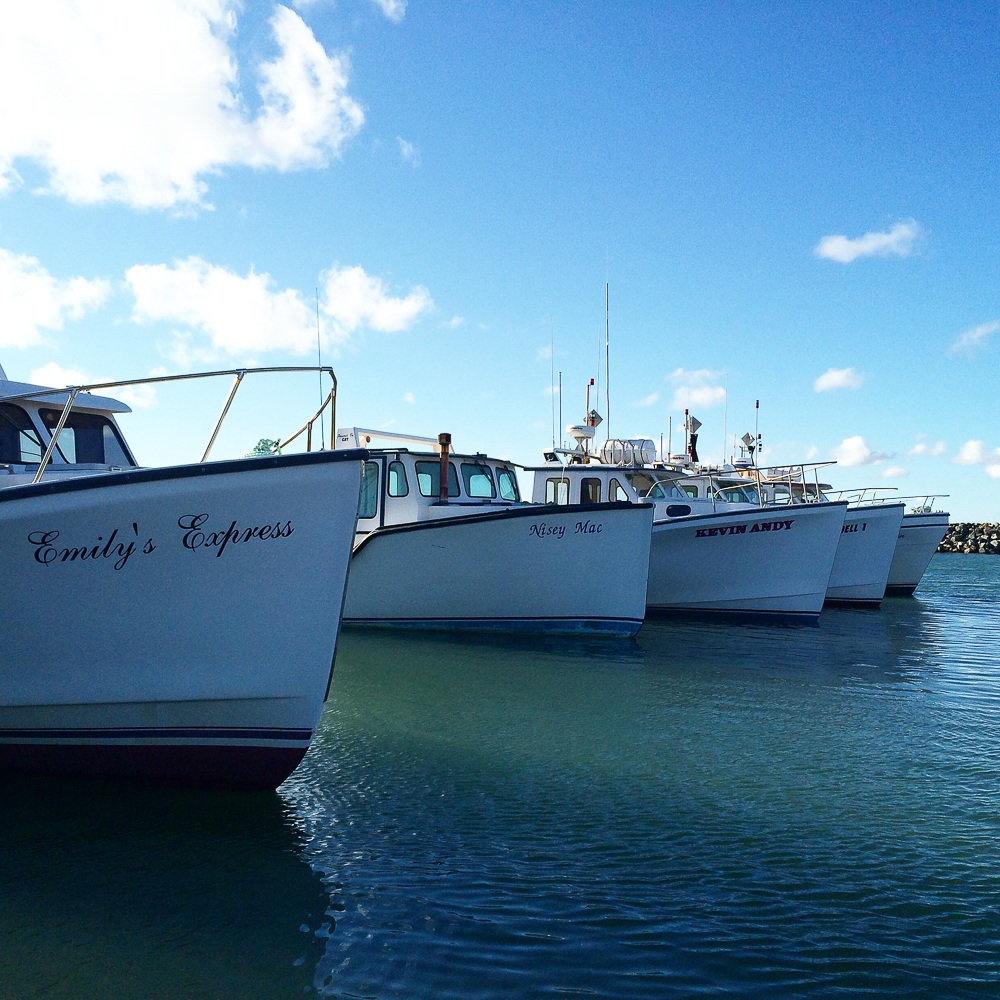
[711, 809]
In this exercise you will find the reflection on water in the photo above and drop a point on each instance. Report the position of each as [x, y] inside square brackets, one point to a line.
[120, 891]
[709, 808]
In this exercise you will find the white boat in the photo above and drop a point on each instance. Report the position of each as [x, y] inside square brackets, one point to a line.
[474, 557]
[868, 535]
[864, 555]
[709, 556]
[176, 623]
[920, 534]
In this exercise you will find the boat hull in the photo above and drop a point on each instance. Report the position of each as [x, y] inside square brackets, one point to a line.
[864, 554]
[152, 632]
[752, 563]
[919, 537]
[518, 569]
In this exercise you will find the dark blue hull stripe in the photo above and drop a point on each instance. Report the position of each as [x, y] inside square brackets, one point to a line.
[158, 732]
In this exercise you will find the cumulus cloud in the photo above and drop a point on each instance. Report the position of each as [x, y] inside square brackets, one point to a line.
[978, 336]
[136, 396]
[894, 472]
[838, 378]
[694, 388]
[352, 298]
[855, 451]
[897, 242]
[393, 9]
[993, 470]
[971, 453]
[408, 151]
[130, 102]
[649, 400]
[408, 397]
[247, 315]
[31, 300]
[925, 448]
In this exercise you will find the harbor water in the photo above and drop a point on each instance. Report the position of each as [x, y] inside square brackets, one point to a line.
[706, 810]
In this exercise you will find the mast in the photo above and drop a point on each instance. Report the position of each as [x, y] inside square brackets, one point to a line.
[607, 358]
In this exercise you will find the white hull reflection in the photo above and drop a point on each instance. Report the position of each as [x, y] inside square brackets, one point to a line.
[864, 555]
[569, 569]
[752, 563]
[919, 537]
[176, 624]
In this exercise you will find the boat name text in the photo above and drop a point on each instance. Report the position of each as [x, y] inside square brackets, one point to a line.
[741, 529]
[544, 530]
[46, 551]
[848, 529]
[195, 538]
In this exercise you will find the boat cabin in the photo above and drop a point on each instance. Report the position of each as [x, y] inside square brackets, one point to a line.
[400, 486]
[90, 441]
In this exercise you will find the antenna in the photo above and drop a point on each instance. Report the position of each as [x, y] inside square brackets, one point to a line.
[607, 358]
[552, 379]
[725, 421]
[756, 421]
[319, 363]
[561, 442]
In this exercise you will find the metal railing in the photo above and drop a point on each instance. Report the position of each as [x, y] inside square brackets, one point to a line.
[239, 373]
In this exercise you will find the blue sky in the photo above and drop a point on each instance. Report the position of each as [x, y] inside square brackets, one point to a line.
[784, 200]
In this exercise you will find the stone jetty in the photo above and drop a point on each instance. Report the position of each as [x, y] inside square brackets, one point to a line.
[965, 538]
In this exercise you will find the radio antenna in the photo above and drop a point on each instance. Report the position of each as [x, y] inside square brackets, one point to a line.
[725, 421]
[319, 364]
[552, 379]
[607, 359]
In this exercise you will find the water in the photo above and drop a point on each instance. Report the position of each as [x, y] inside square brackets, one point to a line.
[710, 810]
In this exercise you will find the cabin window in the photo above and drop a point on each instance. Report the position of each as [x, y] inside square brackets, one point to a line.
[664, 491]
[429, 479]
[19, 441]
[398, 486]
[87, 439]
[617, 492]
[782, 495]
[689, 490]
[590, 491]
[478, 481]
[750, 492]
[368, 506]
[732, 495]
[507, 482]
[557, 491]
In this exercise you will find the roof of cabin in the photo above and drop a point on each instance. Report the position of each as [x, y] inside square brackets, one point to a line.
[57, 397]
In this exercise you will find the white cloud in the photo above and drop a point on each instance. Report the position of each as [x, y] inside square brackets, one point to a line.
[57, 377]
[408, 151]
[544, 353]
[898, 241]
[32, 300]
[353, 298]
[393, 9]
[855, 451]
[978, 336]
[971, 453]
[812, 452]
[838, 378]
[993, 471]
[649, 400]
[894, 472]
[923, 448]
[119, 101]
[247, 315]
[455, 322]
[693, 388]
[408, 397]
[137, 396]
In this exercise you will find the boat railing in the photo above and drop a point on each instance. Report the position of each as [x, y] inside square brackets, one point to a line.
[238, 373]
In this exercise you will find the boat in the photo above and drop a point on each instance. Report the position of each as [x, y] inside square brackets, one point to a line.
[444, 541]
[868, 535]
[920, 534]
[709, 556]
[175, 624]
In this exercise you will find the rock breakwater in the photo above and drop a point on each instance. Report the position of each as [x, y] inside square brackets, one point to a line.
[967, 538]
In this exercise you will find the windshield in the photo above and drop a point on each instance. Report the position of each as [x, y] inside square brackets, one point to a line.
[665, 491]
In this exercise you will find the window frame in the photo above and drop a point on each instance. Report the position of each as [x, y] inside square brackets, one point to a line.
[556, 482]
[467, 476]
[584, 483]
[452, 479]
[388, 479]
[29, 429]
[509, 474]
[50, 419]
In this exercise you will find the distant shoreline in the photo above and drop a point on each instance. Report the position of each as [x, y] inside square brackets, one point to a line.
[967, 538]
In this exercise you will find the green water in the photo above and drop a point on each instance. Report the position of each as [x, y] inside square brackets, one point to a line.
[710, 810]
